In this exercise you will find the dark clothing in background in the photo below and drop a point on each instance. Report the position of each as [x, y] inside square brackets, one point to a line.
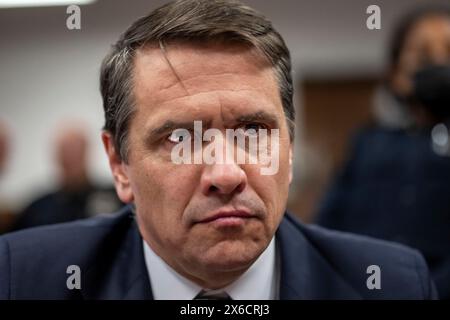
[314, 263]
[395, 187]
[7, 218]
[63, 206]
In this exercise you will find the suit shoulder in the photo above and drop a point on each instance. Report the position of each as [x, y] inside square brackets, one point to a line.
[5, 270]
[41, 255]
[80, 230]
[346, 243]
[355, 256]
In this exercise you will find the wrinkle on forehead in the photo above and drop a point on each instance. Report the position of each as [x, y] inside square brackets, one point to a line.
[217, 92]
[201, 105]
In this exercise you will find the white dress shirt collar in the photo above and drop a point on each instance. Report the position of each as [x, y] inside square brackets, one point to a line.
[259, 282]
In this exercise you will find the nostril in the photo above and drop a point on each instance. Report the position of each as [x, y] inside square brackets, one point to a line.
[213, 189]
[241, 187]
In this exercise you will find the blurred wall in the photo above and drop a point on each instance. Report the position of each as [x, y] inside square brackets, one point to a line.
[49, 73]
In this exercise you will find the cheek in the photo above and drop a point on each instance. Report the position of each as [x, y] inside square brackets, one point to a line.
[272, 189]
[162, 192]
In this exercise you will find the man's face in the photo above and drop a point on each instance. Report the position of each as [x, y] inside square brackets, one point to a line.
[427, 43]
[225, 87]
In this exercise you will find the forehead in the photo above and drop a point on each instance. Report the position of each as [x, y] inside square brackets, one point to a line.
[185, 75]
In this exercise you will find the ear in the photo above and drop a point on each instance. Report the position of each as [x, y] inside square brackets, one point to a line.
[119, 169]
[290, 163]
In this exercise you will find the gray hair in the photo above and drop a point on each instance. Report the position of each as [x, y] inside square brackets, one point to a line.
[188, 20]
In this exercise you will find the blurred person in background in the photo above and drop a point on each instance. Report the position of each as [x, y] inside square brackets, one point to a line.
[396, 182]
[77, 197]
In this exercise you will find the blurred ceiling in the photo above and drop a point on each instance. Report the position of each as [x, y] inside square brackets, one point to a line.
[325, 37]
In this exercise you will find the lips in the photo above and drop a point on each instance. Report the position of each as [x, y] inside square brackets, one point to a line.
[228, 215]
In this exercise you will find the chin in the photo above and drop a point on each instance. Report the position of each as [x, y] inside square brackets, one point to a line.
[231, 255]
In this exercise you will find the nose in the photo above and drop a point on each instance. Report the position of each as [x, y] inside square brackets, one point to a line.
[223, 179]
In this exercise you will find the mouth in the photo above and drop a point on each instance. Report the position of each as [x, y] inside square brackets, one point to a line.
[228, 218]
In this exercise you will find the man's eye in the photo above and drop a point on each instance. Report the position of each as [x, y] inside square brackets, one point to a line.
[179, 135]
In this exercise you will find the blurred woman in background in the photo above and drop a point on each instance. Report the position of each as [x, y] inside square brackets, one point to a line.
[396, 182]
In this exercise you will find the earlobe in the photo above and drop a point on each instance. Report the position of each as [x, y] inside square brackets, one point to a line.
[118, 169]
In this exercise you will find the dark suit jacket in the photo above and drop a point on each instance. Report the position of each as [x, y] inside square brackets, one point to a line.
[315, 263]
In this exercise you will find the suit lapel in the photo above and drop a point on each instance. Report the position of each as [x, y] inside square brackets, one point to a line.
[139, 288]
[119, 272]
[305, 272]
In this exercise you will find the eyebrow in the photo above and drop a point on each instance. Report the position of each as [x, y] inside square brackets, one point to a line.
[170, 125]
[259, 116]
